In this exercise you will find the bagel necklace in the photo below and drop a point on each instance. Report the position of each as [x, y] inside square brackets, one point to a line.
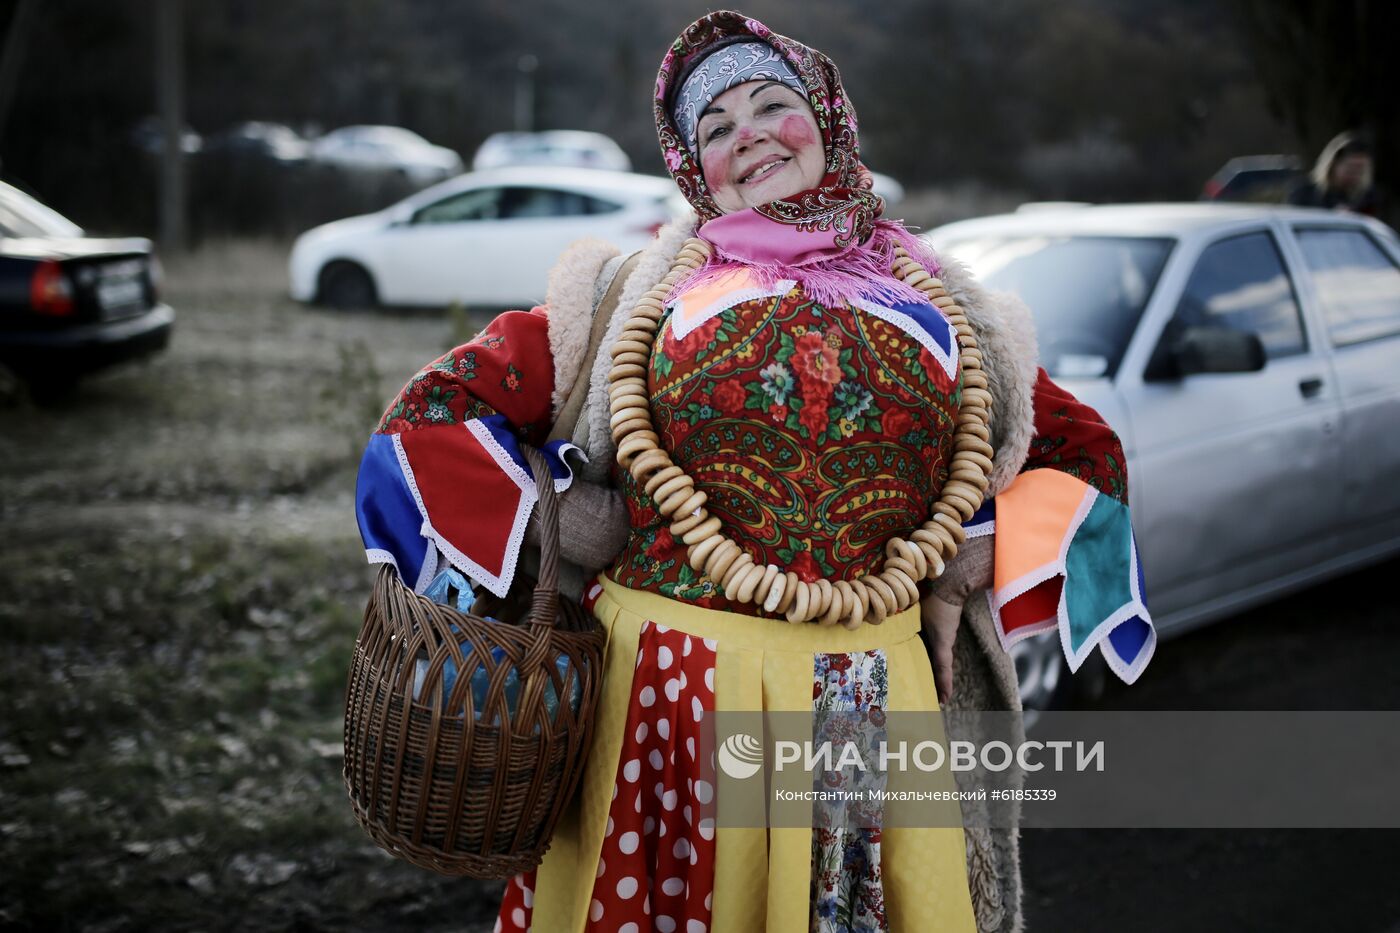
[869, 598]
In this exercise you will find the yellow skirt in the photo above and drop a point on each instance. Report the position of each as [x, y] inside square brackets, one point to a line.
[759, 879]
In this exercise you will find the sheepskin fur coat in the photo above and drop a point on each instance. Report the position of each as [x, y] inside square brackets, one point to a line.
[984, 677]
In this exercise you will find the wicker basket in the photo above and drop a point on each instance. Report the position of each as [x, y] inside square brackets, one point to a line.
[471, 780]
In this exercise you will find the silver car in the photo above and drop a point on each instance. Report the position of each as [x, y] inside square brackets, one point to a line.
[1249, 359]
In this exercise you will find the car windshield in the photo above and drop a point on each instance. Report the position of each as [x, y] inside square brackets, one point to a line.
[1086, 293]
[21, 216]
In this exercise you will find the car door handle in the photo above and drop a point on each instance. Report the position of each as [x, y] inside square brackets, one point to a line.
[1310, 387]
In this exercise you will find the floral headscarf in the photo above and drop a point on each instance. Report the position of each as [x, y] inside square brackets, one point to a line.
[719, 71]
[842, 203]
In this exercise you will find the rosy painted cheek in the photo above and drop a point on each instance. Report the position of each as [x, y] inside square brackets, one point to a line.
[796, 132]
[715, 164]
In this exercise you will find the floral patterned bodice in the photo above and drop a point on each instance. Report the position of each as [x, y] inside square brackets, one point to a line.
[816, 433]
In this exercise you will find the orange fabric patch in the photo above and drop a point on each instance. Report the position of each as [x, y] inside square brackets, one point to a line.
[703, 301]
[1033, 517]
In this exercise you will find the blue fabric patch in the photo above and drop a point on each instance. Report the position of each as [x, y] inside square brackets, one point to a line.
[1129, 638]
[987, 512]
[931, 321]
[386, 510]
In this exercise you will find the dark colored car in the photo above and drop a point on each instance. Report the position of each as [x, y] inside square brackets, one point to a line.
[1262, 179]
[70, 303]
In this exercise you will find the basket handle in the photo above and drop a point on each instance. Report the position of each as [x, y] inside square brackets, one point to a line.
[544, 606]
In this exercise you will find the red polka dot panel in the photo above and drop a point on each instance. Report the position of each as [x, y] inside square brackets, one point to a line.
[656, 867]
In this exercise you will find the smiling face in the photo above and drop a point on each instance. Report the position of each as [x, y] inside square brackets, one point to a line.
[759, 142]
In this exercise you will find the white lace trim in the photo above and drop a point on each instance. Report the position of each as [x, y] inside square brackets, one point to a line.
[680, 329]
[563, 483]
[425, 573]
[949, 362]
[981, 529]
[380, 556]
[429, 568]
[498, 453]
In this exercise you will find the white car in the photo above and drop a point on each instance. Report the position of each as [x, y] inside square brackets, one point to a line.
[386, 148]
[1247, 358]
[551, 147]
[486, 238]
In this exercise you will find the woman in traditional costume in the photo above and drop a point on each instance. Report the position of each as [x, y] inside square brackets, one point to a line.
[797, 416]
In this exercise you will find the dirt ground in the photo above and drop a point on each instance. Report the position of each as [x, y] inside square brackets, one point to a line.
[180, 586]
[181, 583]
[1332, 647]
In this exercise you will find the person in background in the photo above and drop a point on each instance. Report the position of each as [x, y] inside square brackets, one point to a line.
[1341, 179]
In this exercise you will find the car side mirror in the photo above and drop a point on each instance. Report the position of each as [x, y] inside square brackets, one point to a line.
[1216, 350]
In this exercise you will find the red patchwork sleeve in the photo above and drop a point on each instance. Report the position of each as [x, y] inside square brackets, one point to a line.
[507, 369]
[444, 472]
[1073, 438]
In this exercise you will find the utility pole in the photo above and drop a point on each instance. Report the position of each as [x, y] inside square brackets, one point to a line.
[170, 94]
[527, 67]
[12, 56]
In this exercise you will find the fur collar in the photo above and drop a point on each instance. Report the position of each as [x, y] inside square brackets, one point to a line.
[571, 297]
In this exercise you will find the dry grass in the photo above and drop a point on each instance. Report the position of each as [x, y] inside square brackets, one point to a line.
[182, 582]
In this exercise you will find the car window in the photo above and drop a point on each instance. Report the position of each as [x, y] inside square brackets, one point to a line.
[1086, 293]
[600, 205]
[1357, 283]
[477, 204]
[22, 217]
[15, 225]
[1259, 186]
[521, 203]
[1240, 284]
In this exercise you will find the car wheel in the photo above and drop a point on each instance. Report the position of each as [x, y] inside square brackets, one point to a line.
[1044, 677]
[346, 285]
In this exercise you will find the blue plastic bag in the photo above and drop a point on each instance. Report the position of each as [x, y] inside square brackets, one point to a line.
[439, 591]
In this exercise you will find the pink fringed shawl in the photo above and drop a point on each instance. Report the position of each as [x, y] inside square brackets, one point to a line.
[830, 274]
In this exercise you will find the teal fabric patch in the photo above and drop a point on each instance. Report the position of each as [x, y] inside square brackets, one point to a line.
[1098, 569]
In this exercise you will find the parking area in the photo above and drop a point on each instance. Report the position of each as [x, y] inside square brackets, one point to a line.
[181, 582]
[181, 586]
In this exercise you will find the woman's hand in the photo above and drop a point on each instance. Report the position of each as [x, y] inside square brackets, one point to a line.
[940, 628]
[941, 611]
